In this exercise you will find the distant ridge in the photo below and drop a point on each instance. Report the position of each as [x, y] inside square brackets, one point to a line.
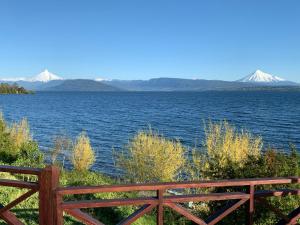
[82, 85]
[177, 84]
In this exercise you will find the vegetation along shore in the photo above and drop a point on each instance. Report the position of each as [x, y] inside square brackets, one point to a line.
[13, 89]
[227, 153]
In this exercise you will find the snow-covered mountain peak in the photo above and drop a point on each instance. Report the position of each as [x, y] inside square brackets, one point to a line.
[262, 77]
[44, 76]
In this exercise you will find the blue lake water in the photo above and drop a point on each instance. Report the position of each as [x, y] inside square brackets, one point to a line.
[110, 119]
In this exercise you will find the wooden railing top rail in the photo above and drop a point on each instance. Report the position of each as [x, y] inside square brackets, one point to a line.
[52, 204]
[20, 170]
[176, 185]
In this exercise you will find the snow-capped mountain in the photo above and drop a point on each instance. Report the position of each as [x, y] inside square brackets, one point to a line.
[44, 76]
[261, 77]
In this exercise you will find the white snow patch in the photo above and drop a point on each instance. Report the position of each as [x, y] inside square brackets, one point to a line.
[260, 76]
[44, 76]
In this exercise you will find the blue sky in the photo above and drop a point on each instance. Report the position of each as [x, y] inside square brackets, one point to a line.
[143, 39]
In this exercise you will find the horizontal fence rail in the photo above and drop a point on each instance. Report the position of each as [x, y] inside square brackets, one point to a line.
[150, 198]
[162, 199]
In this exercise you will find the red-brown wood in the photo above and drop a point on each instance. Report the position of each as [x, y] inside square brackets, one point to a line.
[206, 197]
[171, 201]
[160, 207]
[172, 185]
[251, 205]
[137, 214]
[108, 203]
[49, 182]
[17, 201]
[83, 217]
[20, 170]
[52, 205]
[18, 184]
[33, 187]
[181, 210]
[10, 218]
[58, 200]
[218, 216]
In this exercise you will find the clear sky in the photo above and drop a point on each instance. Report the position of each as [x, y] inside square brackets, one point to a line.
[141, 39]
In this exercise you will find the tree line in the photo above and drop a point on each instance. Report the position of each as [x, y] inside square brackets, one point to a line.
[6, 88]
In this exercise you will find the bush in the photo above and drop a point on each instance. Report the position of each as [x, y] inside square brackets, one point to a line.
[7, 153]
[225, 144]
[20, 133]
[224, 148]
[230, 154]
[83, 155]
[152, 158]
[17, 147]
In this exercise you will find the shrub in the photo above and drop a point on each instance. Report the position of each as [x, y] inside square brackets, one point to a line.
[7, 153]
[83, 155]
[152, 158]
[225, 144]
[30, 155]
[20, 133]
[230, 154]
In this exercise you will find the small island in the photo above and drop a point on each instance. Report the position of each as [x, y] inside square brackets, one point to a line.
[13, 89]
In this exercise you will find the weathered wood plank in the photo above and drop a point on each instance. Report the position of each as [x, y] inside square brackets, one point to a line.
[10, 218]
[108, 203]
[83, 217]
[19, 184]
[172, 185]
[17, 201]
[206, 197]
[137, 214]
[181, 210]
[20, 170]
[218, 216]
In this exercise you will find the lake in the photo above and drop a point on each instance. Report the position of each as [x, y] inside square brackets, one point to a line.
[112, 118]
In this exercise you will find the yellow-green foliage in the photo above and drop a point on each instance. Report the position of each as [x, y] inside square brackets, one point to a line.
[83, 155]
[225, 144]
[20, 133]
[152, 158]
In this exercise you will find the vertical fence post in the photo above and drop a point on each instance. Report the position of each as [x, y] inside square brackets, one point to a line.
[251, 205]
[48, 182]
[160, 208]
[59, 219]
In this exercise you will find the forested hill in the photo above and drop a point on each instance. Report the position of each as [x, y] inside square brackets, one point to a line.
[13, 89]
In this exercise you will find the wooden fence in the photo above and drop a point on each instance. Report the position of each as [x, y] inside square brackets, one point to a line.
[53, 205]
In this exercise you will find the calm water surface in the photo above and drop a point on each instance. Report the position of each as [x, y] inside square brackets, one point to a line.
[110, 119]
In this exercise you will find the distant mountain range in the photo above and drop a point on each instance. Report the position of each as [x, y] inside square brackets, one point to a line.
[45, 76]
[47, 81]
[81, 85]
